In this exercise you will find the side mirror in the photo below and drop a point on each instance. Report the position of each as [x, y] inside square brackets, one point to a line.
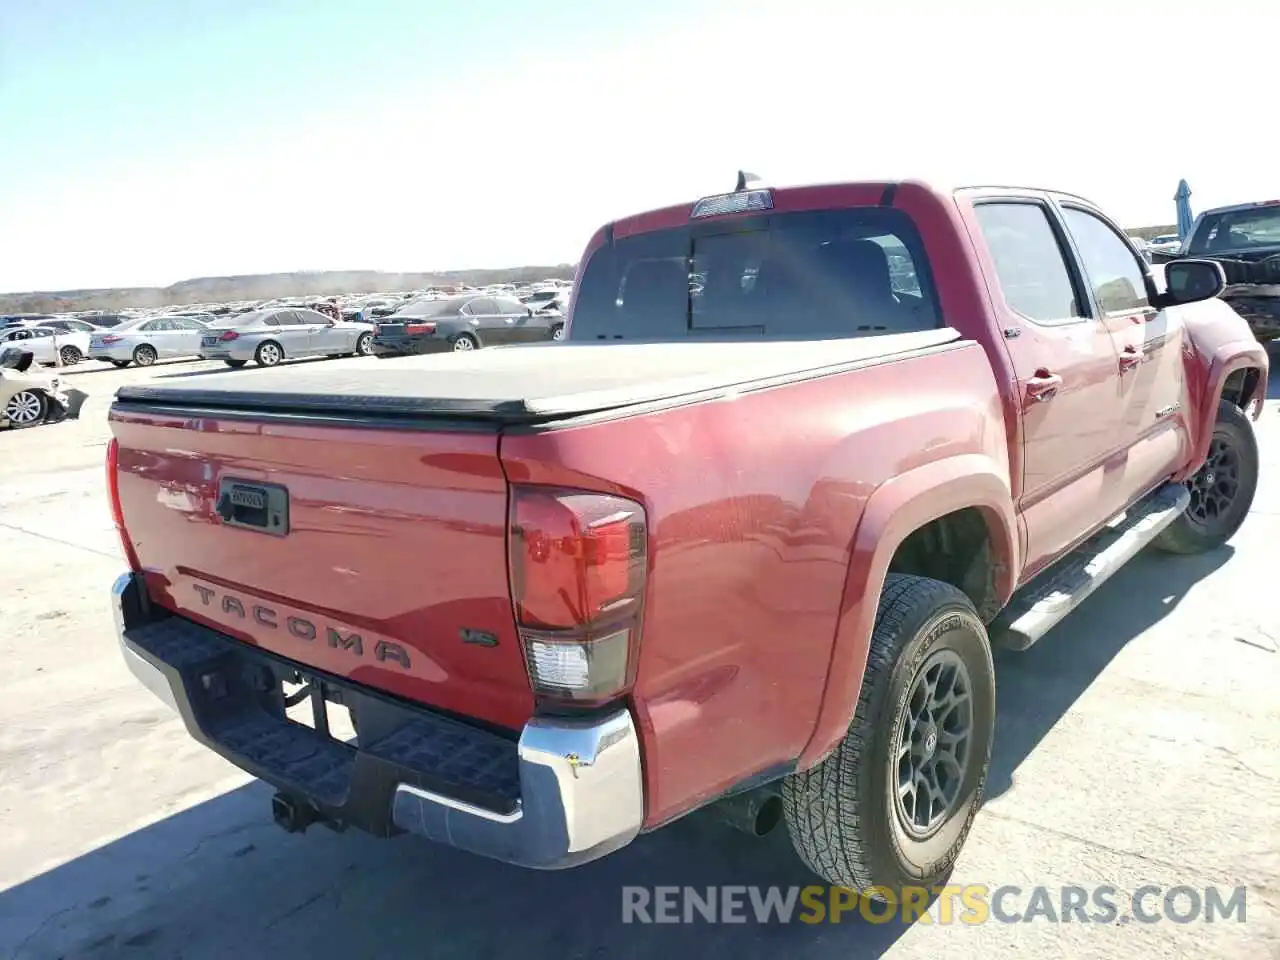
[528, 311]
[1190, 281]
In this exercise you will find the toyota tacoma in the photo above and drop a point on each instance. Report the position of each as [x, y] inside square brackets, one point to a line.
[746, 537]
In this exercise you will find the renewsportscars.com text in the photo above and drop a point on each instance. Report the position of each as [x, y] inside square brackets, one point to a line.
[971, 905]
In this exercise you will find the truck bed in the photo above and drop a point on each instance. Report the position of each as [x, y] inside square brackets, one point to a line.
[528, 384]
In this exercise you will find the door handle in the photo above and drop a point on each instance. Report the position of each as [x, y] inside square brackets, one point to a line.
[1130, 358]
[1043, 386]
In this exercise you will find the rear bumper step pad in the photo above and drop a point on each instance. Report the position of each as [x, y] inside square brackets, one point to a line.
[566, 792]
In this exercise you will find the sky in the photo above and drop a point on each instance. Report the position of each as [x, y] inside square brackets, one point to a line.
[147, 142]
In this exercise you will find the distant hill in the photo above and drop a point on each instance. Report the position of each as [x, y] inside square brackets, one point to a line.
[267, 286]
[1146, 233]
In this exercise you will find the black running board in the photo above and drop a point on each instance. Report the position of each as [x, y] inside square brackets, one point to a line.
[1039, 607]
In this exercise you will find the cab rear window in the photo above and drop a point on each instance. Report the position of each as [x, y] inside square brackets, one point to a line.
[824, 274]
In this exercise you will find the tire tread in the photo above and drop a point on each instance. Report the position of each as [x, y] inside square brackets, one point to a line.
[821, 805]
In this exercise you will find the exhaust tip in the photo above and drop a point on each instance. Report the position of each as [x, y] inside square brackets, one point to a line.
[756, 812]
[769, 816]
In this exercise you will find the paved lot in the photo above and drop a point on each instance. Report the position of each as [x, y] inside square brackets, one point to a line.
[1136, 744]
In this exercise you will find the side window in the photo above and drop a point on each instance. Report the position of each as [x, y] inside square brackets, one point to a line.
[271, 320]
[483, 307]
[510, 307]
[1109, 261]
[1029, 262]
[288, 318]
[158, 326]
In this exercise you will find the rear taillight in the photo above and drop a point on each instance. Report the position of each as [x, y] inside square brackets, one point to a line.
[420, 328]
[113, 496]
[111, 338]
[578, 566]
[229, 335]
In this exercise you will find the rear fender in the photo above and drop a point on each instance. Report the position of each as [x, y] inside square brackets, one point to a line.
[1212, 370]
[896, 509]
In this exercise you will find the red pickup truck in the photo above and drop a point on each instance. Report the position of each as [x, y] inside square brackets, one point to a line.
[746, 536]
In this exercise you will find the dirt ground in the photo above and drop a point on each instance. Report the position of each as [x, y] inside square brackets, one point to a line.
[1137, 744]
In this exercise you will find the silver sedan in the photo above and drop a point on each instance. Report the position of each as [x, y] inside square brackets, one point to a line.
[269, 336]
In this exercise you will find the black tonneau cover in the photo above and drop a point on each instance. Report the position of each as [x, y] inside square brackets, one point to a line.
[526, 384]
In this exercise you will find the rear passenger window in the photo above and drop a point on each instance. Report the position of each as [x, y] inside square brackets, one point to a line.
[821, 274]
[1029, 262]
[1109, 261]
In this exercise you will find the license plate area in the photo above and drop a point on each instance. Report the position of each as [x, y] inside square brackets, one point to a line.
[208, 341]
[263, 507]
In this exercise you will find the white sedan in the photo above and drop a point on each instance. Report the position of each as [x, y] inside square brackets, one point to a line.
[148, 339]
[48, 345]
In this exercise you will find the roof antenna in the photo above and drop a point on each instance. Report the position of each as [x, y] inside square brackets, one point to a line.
[746, 181]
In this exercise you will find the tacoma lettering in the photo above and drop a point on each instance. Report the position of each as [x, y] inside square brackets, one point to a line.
[300, 627]
[386, 650]
[353, 642]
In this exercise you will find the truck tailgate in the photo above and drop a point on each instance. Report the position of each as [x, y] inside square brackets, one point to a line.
[388, 566]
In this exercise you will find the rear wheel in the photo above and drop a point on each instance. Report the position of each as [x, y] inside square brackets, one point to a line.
[557, 332]
[144, 355]
[235, 364]
[25, 408]
[70, 356]
[464, 342]
[893, 804]
[1222, 489]
[268, 354]
[364, 346]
